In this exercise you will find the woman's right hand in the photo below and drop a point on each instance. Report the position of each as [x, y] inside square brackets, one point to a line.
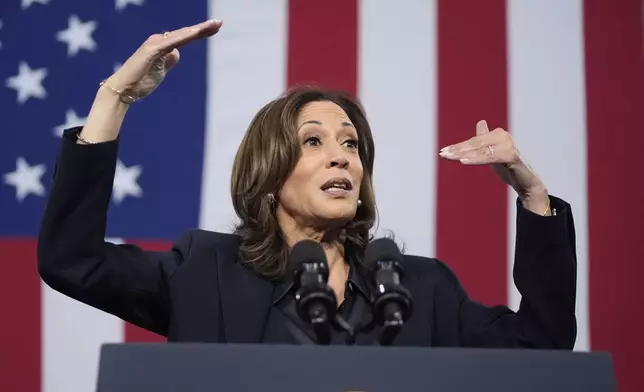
[144, 71]
[139, 76]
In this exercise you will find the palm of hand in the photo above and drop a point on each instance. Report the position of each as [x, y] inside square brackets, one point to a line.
[155, 74]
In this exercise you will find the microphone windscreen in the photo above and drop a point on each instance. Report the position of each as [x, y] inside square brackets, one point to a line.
[307, 251]
[383, 249]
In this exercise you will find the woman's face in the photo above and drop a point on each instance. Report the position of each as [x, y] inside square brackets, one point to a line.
[324, 188]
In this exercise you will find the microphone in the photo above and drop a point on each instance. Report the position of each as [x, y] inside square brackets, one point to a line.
[392, 304]
[315, 301]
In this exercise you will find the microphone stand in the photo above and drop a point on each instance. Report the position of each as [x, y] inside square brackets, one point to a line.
[392, 306]
[315, 304]
[315, 301]
[391, 326]
[391, 320]
[392, 302]
[318, 307]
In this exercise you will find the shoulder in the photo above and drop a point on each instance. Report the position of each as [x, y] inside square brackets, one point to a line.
[428, 270]
[199, 242]
[203, 237]
[422, 264]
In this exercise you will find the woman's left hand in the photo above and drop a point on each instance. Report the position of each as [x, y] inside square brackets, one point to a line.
[497, 148]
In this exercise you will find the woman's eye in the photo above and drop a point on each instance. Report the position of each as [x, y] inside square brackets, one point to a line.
[312, 141]
[352, 143]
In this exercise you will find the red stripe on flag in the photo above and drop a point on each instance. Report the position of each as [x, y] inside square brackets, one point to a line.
[615, 114]
[471, 201]
[323, 43]
[20, 355]
[132, 332]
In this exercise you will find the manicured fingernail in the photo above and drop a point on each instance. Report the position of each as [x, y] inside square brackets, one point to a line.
[465, 160]
[445, 148]
[447, 154]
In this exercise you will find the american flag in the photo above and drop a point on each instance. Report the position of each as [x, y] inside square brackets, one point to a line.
[565, 78]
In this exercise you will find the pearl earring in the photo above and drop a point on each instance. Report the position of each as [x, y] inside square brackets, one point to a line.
[359, 202]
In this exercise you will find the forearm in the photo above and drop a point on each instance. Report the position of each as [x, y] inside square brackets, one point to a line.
[545, 273]
[105, 117]
[74, 221]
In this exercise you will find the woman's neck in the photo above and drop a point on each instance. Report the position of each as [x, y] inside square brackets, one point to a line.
[331, 242]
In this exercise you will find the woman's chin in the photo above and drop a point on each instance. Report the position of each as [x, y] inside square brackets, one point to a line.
[337, 215]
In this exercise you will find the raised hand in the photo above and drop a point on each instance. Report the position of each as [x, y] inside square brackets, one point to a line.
[497, 148]
[139, 76]
[144, 71]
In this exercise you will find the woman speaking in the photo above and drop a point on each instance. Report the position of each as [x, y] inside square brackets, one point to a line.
[303, 171]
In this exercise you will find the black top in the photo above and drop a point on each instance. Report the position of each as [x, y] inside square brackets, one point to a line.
[198, 292]
[355, 309]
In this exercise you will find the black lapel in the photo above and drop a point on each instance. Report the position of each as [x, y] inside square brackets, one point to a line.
[245, 297]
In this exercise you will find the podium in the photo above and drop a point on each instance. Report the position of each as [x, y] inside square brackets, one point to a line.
[194, 367]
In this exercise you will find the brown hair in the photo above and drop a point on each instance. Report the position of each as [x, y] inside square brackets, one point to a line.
[266, 157]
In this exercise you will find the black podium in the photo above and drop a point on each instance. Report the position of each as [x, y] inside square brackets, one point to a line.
[186, 367]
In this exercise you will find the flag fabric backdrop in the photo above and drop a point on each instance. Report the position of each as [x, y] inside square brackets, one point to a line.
[565, 78]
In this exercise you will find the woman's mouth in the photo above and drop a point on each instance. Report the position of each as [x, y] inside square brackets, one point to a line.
[338, 186]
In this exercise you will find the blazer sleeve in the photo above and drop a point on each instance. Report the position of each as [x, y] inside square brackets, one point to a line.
[75, 259]
[545, 272]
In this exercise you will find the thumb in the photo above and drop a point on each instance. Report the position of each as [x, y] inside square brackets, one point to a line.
[481, 128]
[171, 60]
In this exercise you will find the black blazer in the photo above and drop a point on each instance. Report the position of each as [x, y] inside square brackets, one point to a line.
[198, 292]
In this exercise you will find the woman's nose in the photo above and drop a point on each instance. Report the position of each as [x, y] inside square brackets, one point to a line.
[339, 161]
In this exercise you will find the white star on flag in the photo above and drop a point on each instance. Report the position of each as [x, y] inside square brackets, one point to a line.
[28, 82]
[26, 179]
[71, 120]
[27, 3]
[78, 35]
[125, 182]
[121, 4]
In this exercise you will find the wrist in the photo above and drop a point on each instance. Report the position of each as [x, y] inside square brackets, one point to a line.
[106, 99]
[536, 200]
[125, 95]
[105, 117]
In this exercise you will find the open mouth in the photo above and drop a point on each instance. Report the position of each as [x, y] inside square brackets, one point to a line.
[338, 186]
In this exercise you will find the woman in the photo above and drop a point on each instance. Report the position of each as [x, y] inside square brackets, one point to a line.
[303, 171]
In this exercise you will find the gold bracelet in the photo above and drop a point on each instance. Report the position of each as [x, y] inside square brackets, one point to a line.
[547, 206]
[130, 99]
[78, 136]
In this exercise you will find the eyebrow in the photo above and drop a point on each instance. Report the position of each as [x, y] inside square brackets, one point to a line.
[344, 123]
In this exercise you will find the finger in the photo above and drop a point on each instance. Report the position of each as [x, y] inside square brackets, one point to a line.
[481, 128]
[472, 144]
[177, 38]
[478, 160]
[484, 137]
[184, 35]
[485, 154]
[211, 25]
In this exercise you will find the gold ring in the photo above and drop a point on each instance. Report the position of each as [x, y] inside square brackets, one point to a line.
[166, 34]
